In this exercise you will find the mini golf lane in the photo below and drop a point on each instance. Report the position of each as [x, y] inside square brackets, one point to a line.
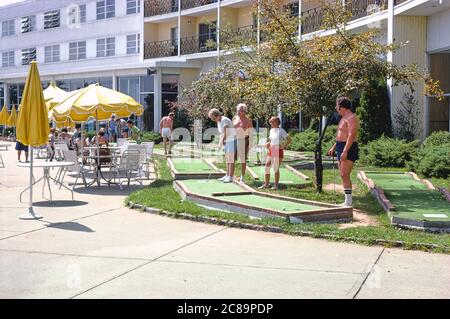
[223, 196]
[287, 176]
[187, 168]
[415, 205]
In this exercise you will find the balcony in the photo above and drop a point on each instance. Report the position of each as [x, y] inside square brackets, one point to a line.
[243, 34]
[157, 7]
[160, 49]
[191, 45]
[189, 4]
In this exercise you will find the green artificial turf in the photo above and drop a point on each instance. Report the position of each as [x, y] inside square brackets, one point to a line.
[192, 165]
[203, 187]
[411, 198]
[287, 177]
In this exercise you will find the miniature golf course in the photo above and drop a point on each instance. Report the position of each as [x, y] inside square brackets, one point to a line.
[414, 204]
[287, 176]
[195, 179]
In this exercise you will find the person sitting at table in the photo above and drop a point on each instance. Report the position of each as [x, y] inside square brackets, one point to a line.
[133, 131]
[64, 137]
[100, 139]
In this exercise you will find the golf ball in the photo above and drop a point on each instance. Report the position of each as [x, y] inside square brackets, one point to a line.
[284, 208]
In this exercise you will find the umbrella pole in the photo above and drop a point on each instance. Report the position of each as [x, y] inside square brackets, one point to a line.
[31, 214]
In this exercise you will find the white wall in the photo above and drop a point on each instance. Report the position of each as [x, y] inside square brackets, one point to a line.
[439, 31]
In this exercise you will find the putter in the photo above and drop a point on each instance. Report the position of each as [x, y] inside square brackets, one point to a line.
[334, 180]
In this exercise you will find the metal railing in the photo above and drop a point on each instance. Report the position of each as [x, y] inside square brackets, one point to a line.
[312, 20]
[160, 49]
[197, 44]
[188, 4]
[157, 7]
[363, 8]
[399, 1]
[245, 33]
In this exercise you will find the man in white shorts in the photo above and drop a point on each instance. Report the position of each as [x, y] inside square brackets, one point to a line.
[228, 140]
[166, 129]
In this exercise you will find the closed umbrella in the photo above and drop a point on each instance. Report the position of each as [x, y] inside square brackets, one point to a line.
[4, 114]
[12, 119]
[32, 124]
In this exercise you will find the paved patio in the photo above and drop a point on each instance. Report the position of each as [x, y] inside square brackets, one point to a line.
[94, 247]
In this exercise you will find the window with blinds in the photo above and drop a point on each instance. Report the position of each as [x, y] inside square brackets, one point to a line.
[7, 59]
[106, 47]
[28, 55]
[51, 19]
[28, 24]
[77, 50]
[7, 28]
[52, 53]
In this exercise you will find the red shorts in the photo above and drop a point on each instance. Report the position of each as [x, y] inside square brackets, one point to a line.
[276, 151]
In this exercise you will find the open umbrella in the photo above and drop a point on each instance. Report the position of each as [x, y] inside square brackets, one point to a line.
[32, 124]
[98, 102]
[53, 95]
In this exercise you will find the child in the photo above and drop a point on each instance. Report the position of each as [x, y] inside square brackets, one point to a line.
[278, 141]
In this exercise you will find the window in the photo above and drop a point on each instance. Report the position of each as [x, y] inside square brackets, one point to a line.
[106, 9]
[174, 36]
[7, 59]
[15, 93]
[207, 34]
[77, 50]
[106, 47]
[2, 95]
[28, 55]
[77, 14]
[28, 24]
[133, 6]
[51, 19]
[7, 28]
[133, 43]
[52, 53]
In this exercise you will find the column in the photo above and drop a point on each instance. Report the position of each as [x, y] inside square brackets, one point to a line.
[179, 28]
[157, 99]
[114, 80]
[390, 55]
[218, 30]
[6, 90]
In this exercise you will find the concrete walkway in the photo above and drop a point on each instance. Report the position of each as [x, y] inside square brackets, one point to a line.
[94, 247]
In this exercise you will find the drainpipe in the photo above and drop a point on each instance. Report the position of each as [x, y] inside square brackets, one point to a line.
[390, 55]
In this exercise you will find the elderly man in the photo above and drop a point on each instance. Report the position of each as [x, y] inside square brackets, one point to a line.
[243, 126]
[346, 146]
[228, 140]
[166, 129]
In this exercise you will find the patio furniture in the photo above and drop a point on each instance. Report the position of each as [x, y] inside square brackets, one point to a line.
[46, 177]
[149, 153]
[129, 164]
[1, 161]
[59, 149]
[142, 149]
[121, 141]
[77, 167]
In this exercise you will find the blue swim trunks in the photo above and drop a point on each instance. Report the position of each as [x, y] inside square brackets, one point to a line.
[352, 154]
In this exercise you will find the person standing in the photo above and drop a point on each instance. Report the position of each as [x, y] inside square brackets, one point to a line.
[133, 131]
[19, 148]
[227, 140]
[346, 146]
[166, 129]
[243, 125]
[278, 141]
[112, 129]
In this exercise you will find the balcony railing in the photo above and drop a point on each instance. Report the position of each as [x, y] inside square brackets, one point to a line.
[312, 20]
[160, 49]
[157, 7]
[191, 45]
[399, 1]
[244, 34]
[189, 4]
[362, 8]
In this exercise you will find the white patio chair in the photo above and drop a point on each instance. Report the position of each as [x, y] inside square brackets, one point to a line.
[71, 156]
[59, 149]
[1, 161]
[121, 141]
[149, 153]
[128, 164]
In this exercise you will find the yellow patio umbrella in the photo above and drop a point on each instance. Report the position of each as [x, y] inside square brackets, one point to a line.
[53, 95]
[12, 119]
[98, 102]
[32, 123]
[67, 123]
[4, 115]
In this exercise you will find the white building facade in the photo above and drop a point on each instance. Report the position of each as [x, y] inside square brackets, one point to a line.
[152, 49]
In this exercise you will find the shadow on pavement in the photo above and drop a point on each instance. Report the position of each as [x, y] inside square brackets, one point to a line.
[73, 226]
[60, 203]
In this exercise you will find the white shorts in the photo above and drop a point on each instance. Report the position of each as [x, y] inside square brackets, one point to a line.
[166, 132]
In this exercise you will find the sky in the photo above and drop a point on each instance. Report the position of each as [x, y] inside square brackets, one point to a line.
[6, 2]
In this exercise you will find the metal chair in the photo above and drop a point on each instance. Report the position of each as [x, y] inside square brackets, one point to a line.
[149, 153]
[129, 164]
[71, 156]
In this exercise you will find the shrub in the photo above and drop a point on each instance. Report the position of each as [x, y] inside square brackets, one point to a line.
[306, 141]
[437, 138]
[388, 152]
[150, 136]
[433, 161]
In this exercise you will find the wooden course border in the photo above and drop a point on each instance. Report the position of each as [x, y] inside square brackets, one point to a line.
[328, 212]
[378, 193]
[194, 175]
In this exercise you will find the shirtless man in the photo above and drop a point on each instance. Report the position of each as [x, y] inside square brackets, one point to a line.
[346, 146]
[166, 129]
[242, 124]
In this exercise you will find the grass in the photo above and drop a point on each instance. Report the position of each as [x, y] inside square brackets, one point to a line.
[161, 195]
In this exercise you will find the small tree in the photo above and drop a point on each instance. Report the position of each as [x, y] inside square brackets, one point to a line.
[374, 113]
[407, 118]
